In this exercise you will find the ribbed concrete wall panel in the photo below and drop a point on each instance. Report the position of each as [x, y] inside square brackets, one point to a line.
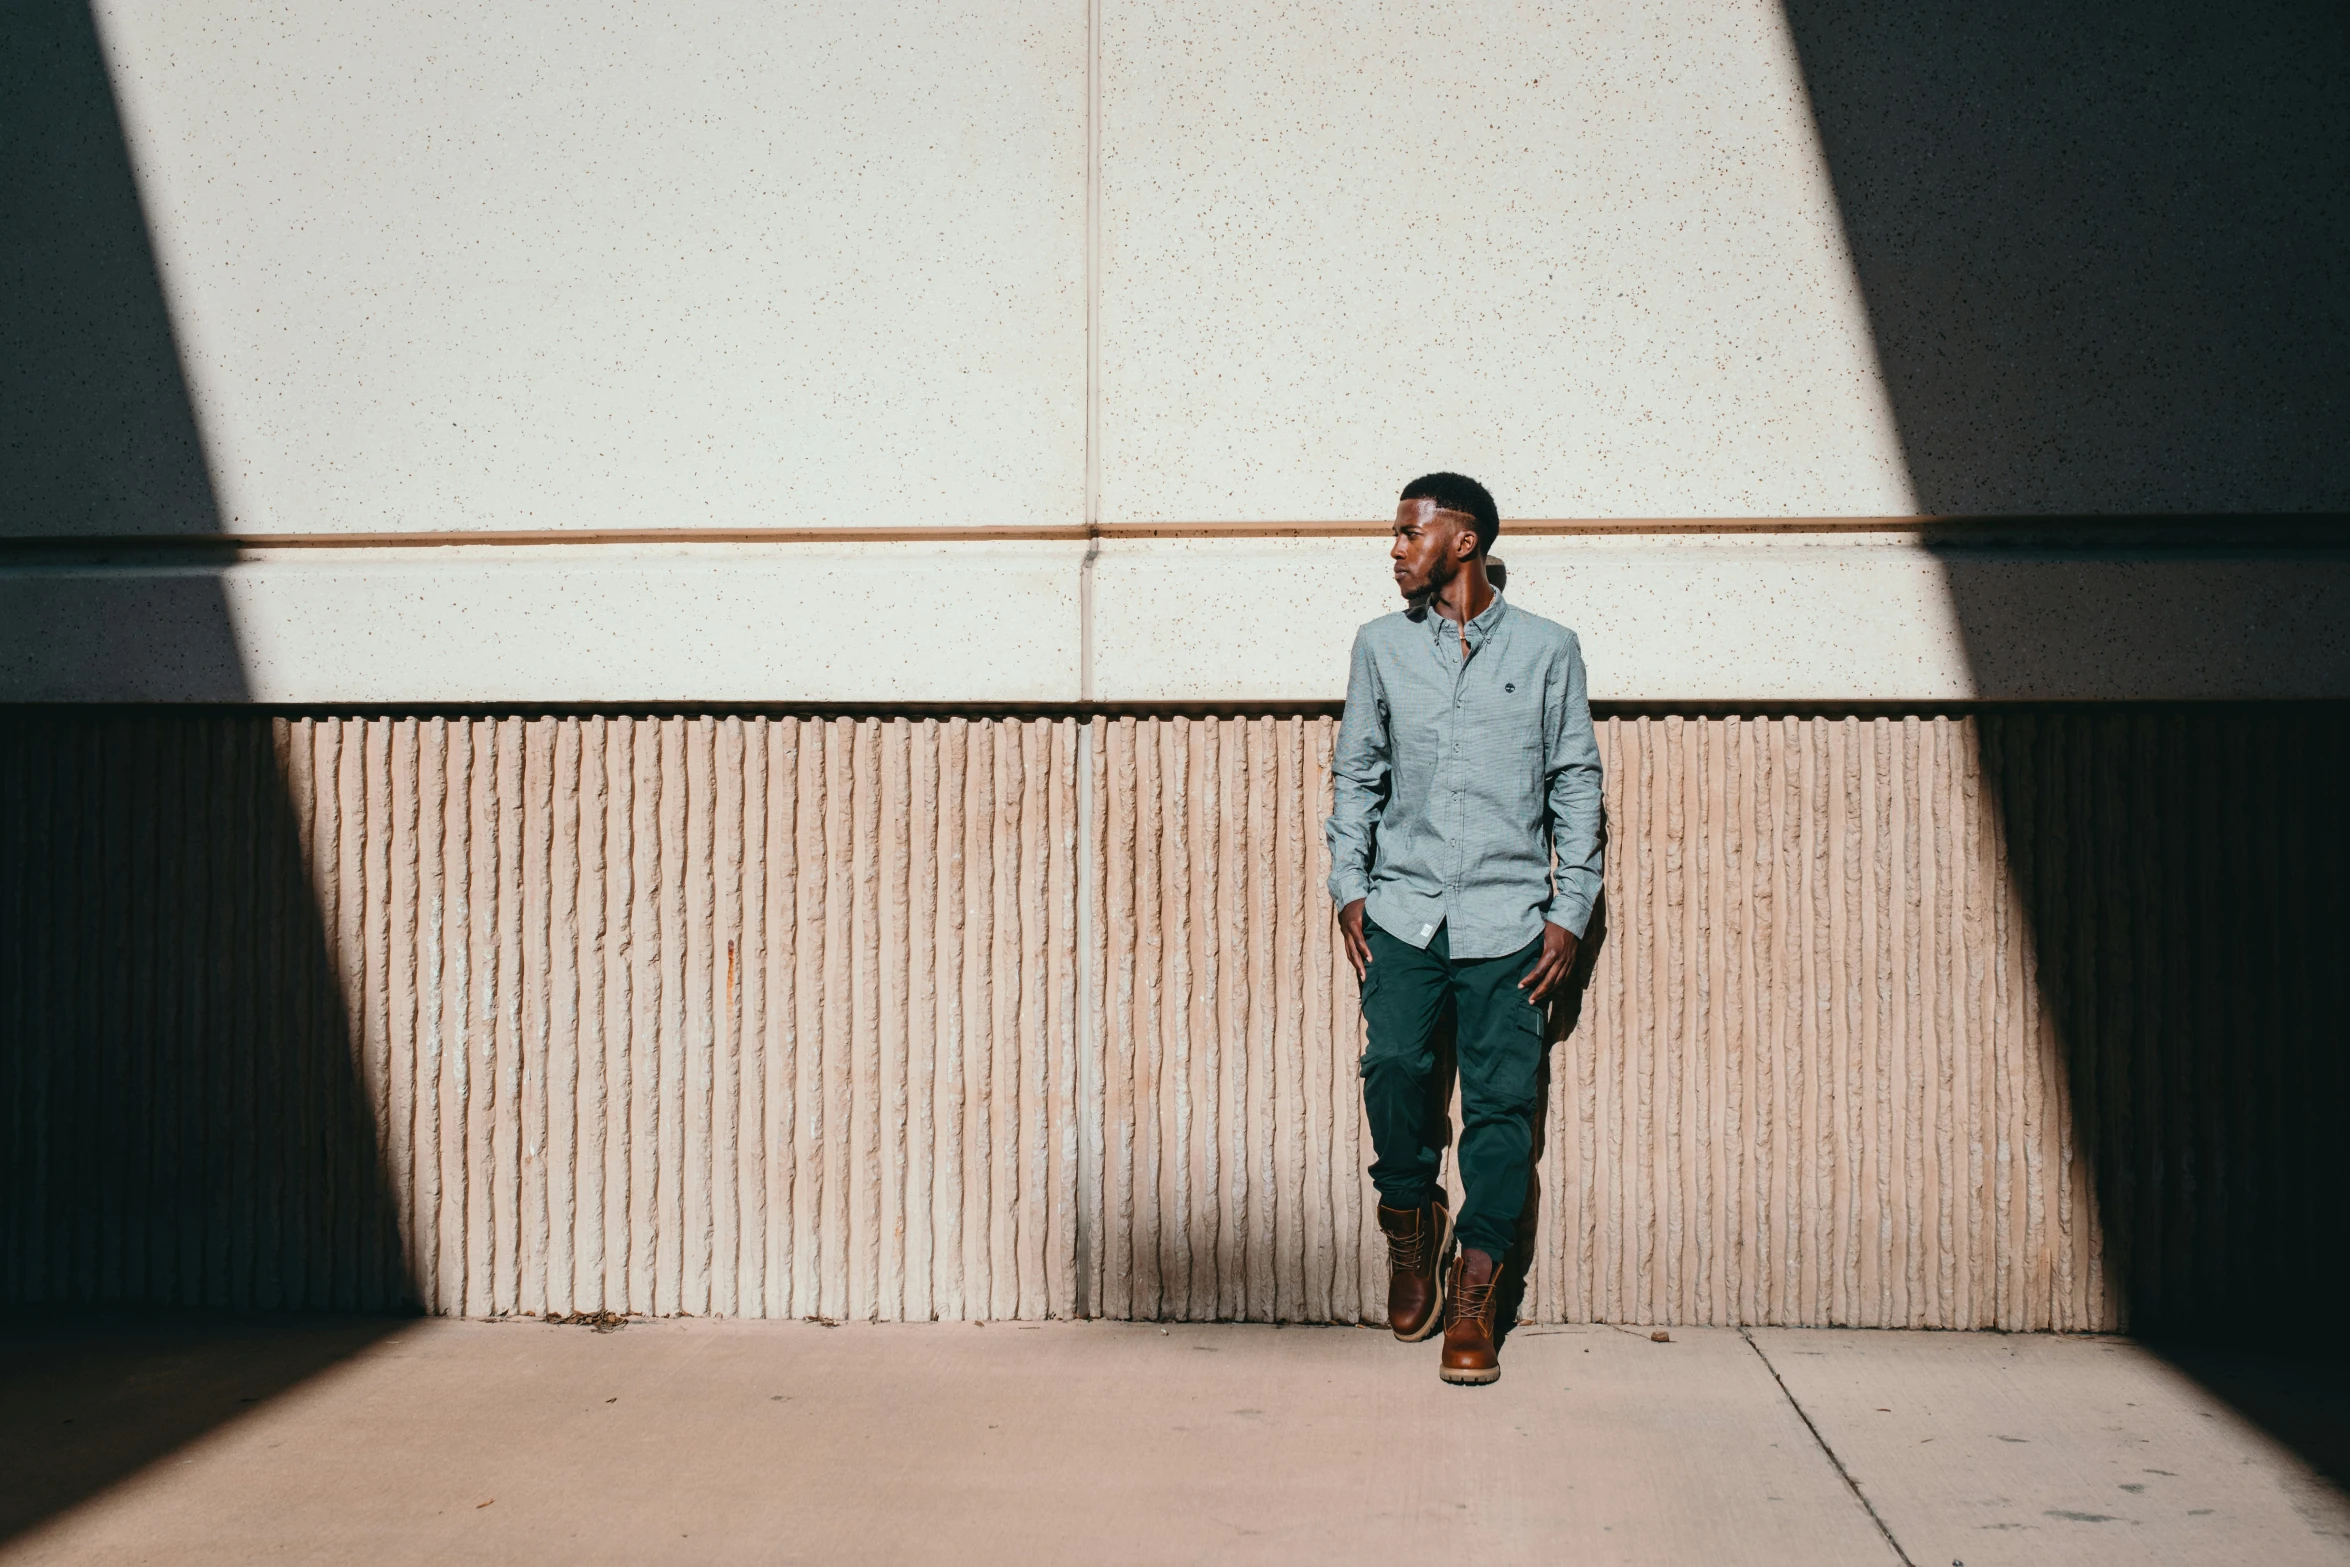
[563, 1014]
[1810, 1075]
[1234, 1139]
[2010, 1020]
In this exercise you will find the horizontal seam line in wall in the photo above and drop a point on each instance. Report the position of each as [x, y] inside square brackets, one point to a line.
[1694, 708]
[1079, 533]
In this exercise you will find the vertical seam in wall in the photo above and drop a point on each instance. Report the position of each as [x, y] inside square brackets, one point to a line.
[1089, 1086]
[1093, 261]
[1093, 295]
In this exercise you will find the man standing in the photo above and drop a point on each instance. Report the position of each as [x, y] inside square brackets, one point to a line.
[1465, 760]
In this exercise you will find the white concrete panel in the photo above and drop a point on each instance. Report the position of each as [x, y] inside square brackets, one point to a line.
[524, 265]
[1703, 619]
[1696, 621]
[881, 624]
[1590, 254]
[1819, 618]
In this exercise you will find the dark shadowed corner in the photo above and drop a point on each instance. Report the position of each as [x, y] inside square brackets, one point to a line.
[2102, 250]
[190, 1153]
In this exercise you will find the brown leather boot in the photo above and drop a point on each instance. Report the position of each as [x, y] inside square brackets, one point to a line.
[1469, 1353]
[1416, 1241]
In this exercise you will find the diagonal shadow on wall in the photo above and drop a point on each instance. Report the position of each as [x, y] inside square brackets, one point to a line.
[185, 1139]
[2101, 246]
[2101, 249]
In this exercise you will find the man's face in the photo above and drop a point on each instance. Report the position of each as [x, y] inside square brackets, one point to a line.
[1429, 546]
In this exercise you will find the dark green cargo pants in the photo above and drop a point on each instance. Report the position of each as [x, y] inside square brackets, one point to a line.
[1498, 1044]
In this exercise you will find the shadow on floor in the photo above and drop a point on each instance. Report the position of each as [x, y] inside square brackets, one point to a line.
[2297, 1389]
[93, 1397]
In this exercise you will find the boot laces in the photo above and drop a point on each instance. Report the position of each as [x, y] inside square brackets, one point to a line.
[1466, 1301]
[1409, 1253]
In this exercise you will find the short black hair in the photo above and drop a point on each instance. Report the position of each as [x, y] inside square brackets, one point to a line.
[1458, 492]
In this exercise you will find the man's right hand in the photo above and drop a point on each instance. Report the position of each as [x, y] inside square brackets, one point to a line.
[1358, 950]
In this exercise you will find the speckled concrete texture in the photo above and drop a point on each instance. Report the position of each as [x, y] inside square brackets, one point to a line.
[549, 266]
[1590, 254]
[551, 269]
[1833, 618]
[897, 622]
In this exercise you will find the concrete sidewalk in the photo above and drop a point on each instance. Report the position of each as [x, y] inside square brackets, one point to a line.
[1082, 1442]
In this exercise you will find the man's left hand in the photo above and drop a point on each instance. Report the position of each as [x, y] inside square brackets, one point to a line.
[1549, 971]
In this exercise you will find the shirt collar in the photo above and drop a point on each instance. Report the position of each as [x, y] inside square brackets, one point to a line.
[1479, 629]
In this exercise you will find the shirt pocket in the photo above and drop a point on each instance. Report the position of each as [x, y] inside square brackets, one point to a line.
[1508, 722]
[1511, 758]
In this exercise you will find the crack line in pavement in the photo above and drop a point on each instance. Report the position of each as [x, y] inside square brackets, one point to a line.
[1836, 1463]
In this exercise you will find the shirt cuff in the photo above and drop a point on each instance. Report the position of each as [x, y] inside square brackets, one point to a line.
[1346, 886]
[1571, 915]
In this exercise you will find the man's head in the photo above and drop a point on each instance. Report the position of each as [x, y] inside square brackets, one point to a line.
[1443, 521]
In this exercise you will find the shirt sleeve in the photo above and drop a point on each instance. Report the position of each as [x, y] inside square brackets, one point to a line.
[1577, 816]
[1359, 779]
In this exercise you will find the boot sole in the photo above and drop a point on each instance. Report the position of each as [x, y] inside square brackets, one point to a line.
[1469, 1378]
[1435, 1322]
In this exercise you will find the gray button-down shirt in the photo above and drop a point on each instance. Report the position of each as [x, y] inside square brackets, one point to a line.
[1457, 779]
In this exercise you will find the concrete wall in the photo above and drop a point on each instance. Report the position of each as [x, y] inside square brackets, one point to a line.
[1939, 1022]
[834, 264]
[539, 267]
[929, 265]
[948, 365]
[1892, 616]
[342, 275]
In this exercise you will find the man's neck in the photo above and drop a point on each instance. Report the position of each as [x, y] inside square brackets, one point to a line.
[1468, 595]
